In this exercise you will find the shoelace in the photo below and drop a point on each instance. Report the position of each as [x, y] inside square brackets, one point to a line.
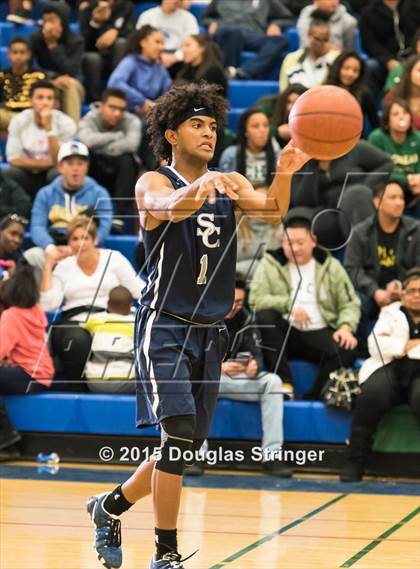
[113, 532]
[175, 559]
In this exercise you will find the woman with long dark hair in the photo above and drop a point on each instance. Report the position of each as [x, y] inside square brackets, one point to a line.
[255, 156]
[140, 74]
[203, 61]
[409, 88]
[349, 72]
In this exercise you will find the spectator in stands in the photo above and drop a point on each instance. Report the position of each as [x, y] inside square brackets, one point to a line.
[15, 82]
[303, 286]
[24, 353]
[342, 24]
[344, 183]
[110, 368]
[13, 198]
[34, 139]
[69, 196]
[381, 250]
[202, 62]
[58, 52]
[248, 25]
[391, 375]
[140, 74]
[387, 28]
[176, 24]
[243, 379]
[277, 108]
[408, 88]
[309, 66]
[349, 72]
[12, 231]
[255, 157]
[81, 284]
[397, 138]
[105, 26]
[113, 138]
[394, 76]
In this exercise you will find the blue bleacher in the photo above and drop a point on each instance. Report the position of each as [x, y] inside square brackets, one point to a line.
[246, 93]
[4, 61]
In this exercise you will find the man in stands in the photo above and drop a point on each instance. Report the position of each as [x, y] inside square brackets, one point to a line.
[113, 138]
[302, 287]
[381, 250]
[248, 25]
[34, 139]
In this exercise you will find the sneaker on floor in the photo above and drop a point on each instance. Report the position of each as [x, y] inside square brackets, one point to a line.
[277, 468]
[171, 560]
[20, 17]
[107, 534]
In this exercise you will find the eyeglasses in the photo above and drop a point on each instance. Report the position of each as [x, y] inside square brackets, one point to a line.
[320, 40]
[17, 218]
[412, 291]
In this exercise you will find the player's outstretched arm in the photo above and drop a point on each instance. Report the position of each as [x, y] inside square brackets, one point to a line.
[157, 201]
[271, 205]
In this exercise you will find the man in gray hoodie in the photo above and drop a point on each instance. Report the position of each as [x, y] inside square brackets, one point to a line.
[113, 138]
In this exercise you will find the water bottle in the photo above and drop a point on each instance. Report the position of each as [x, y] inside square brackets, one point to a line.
[51, 458]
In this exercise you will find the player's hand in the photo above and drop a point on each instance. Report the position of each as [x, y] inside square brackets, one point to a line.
[213, 182]
[291, 159]
[345, 338]
[252, 369]
[233, 368]
[300, 317]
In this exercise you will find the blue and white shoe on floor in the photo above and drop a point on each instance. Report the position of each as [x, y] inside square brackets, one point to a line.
[108, 533]
[171, 560]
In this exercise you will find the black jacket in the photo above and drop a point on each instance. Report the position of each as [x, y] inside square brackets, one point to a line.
[66, 58]
[361, 257]
[377, 28]
[13, 198]
[244, 336]
[122, 19]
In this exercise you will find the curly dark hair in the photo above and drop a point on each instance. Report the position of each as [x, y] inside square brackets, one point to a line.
[178, 100]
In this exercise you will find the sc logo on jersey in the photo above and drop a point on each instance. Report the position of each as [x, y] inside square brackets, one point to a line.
[205, 220]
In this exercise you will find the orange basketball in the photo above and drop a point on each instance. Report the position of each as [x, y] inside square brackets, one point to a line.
[326, 122]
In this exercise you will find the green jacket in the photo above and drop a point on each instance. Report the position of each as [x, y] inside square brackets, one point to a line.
[337, 299]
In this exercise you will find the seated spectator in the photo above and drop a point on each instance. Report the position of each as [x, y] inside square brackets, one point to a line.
[387, 28]
[349, 72]
[34, 139]
[408, 88]
[309, 66]
[15, 82]
[81, 284]
[13, 198]
[202, 61]
[247, 381]
[342, 24]
[59, 51]
[176, 24]
[303, 286]
[381, 250]
[248, 25]
[344, 183]
[69, 196]
[113, 138]
[12, 231]
[104, 25]
[255, 157]
[277, 108]
[110, 368]
[390, 376]
[140, 74]
[394, 76]
[397, 138]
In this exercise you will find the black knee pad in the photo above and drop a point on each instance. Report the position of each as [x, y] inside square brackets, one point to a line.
[197, 444]
[177, 441]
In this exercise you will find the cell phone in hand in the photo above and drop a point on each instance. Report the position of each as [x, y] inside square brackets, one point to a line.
[242, 358]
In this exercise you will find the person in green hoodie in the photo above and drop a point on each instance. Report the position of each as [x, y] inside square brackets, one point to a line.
[303, 287]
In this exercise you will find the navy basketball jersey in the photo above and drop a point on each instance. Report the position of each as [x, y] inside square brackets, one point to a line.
[191, 264]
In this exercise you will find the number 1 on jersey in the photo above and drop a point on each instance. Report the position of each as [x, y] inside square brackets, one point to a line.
[204, 263]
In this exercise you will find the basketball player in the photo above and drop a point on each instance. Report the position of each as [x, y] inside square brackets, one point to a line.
[188, 218]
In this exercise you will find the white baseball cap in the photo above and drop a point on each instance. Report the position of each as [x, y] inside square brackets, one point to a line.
[72, 148]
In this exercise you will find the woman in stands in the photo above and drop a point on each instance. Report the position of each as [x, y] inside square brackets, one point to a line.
[254, 156]
[277, 108]
[409, 88]
[203, 61]
[349, 72]
[12, 229]
[80, 284]
[391, 375]
[397, 138]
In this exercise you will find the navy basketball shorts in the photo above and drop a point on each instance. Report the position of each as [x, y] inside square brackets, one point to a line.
[178, 369]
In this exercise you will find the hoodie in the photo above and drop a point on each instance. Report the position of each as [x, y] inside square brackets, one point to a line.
[23, 342]
[54, 207]
[342, 27]
[66, 58]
